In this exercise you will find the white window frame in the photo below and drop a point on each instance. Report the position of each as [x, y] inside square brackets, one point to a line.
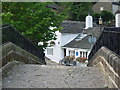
[49, 51]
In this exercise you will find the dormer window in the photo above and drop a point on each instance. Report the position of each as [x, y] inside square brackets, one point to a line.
[52, 43]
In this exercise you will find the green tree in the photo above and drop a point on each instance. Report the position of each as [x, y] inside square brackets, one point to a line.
[107, 16]
[76, 11]
[32, 19]
[79, 10]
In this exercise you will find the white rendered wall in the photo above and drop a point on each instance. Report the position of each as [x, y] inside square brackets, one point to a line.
[117, 20]
[77, 50]
[82, 50]
[67, 52]
[58, 52]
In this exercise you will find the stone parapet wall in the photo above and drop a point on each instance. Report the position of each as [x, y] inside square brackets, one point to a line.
[109, 63]
[11, 52]
[11, 34]
[110, 38]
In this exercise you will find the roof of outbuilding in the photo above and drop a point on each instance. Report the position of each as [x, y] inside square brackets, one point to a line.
[73, 27]
[84, 43]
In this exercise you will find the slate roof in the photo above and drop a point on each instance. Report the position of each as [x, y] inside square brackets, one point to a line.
[95, 31]
[73, 27]
[116, 3]
[117, 12]
[84, 43]
[54, 6]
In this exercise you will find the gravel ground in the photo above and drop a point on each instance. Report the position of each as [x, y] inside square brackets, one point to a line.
[49, 76]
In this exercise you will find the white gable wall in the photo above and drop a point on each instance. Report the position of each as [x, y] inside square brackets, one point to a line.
[57, 54]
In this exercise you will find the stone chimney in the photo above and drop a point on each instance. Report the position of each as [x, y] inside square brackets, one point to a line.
[117, 18]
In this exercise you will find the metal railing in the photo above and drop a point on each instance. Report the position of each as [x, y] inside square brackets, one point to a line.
[109, 38]
[10, 34]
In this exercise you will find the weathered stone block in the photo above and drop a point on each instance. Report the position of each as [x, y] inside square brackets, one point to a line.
[111, 60]
[116, 64]
[119, 68]
[117, 80]
[113, 65]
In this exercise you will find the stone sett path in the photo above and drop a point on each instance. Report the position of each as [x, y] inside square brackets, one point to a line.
[53, 76]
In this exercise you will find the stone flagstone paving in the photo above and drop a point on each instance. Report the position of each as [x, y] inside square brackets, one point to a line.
[53, 76]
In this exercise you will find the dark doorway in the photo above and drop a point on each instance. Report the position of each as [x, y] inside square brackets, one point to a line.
[64, 52]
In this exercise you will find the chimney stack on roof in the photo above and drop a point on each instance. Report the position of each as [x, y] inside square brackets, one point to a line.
[117, 19]
[89, 21]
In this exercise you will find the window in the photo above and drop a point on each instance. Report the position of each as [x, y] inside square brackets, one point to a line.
[80, 54]
[86, 54]
[72, 53]
[50, 51]
[83, 54]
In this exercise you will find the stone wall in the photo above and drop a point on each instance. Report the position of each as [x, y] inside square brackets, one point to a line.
[11, 34]
[110, 38]
[109, 63]
[11, 52]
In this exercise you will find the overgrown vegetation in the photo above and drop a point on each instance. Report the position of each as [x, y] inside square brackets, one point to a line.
[33, 20]
[77, 11]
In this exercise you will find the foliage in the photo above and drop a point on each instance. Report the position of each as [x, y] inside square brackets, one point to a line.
[76, 11]
[105, 15]
[79, 10]
[32, 19]
[81, 59]
[96, 17]
[70, 58]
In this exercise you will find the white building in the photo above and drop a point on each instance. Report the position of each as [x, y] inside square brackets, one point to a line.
[73, 40]
[115, 6]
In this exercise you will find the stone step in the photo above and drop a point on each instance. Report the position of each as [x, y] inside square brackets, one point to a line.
[48, 76]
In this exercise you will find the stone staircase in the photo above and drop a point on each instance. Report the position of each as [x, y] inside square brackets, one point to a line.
[53, 76]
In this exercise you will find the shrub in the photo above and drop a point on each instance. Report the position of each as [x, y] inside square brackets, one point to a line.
[81, 59]
[107, 16]
[70, 57]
